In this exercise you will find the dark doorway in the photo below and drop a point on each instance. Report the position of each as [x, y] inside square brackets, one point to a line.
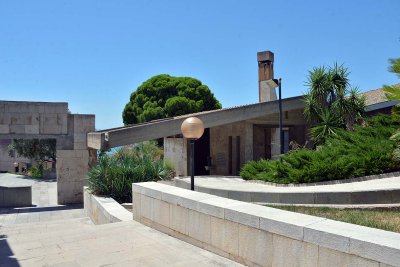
[202, 154]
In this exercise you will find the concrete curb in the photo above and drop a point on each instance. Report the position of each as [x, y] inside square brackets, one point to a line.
[332, 182]
[385, 196]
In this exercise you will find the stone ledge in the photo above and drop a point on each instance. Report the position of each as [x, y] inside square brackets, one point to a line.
[352, 240]
[102, 210]
[348, 197]
[331, 182]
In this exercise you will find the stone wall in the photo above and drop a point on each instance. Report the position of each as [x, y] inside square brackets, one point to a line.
[252, 140]
[33, 117]
[224, 160]
[261, 236]
[30, 120]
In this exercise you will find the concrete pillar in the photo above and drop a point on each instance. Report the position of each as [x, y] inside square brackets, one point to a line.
[265, 72]
[248, 150]
[175, 151]
[275, 143]
[73, 165]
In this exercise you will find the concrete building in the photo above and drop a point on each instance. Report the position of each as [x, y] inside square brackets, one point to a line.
[44, 120]
[233, 135]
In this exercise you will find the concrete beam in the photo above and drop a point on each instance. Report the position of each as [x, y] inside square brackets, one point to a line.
[107, 139]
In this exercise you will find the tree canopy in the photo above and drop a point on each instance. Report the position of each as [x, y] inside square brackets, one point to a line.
[37, 149]
[164, 96]
[331, 103]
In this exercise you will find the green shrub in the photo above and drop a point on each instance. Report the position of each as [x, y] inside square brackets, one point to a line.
[365, 151]
[114, 174]
[36, 171]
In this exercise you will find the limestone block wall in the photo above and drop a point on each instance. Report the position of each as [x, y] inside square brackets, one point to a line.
[175, 151]
[33, 117]
[219, 148]
[261, 236]
[28, 120]
[250, 140]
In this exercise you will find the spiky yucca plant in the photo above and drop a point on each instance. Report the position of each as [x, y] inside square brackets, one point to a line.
[330, 102]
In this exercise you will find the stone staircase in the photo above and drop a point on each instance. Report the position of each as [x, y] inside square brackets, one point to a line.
[78, 242]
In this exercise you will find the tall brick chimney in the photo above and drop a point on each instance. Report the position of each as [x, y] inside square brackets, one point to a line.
[265, 72]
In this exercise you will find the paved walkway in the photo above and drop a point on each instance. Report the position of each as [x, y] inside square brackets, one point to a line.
[54, 235]
[44, 191]
[44, 200]
[76, 242]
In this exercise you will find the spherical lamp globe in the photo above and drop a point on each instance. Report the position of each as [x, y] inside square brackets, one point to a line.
[192, 128]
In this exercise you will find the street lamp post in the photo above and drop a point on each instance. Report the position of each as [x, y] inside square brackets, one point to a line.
[273, 83]
[192, 128]
[280, 116]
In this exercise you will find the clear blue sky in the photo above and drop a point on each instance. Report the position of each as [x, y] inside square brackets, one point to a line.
[93, 54]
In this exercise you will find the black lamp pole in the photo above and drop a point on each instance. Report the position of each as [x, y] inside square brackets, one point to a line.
[280, 116]
[192, 164]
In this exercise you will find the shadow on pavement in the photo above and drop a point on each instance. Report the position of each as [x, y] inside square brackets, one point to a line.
[6, 253]
[40, 209]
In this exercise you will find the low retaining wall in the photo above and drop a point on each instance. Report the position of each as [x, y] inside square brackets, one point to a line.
[261, 236]
[15, 196]
[102, 210]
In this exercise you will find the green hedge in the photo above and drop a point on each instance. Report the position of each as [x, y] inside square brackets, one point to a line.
[114, 174]
[365, 151]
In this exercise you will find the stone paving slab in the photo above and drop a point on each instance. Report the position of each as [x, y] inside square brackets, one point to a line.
[76, 242]
[44, 191]
[12, 216]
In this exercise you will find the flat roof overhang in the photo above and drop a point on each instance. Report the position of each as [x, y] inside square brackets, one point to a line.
[106, 139]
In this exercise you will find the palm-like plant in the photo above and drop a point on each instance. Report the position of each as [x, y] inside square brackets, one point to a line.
[328, 126]
[393, 93]
[331, 103]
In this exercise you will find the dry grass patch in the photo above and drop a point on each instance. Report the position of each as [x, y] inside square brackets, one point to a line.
[385, 219]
